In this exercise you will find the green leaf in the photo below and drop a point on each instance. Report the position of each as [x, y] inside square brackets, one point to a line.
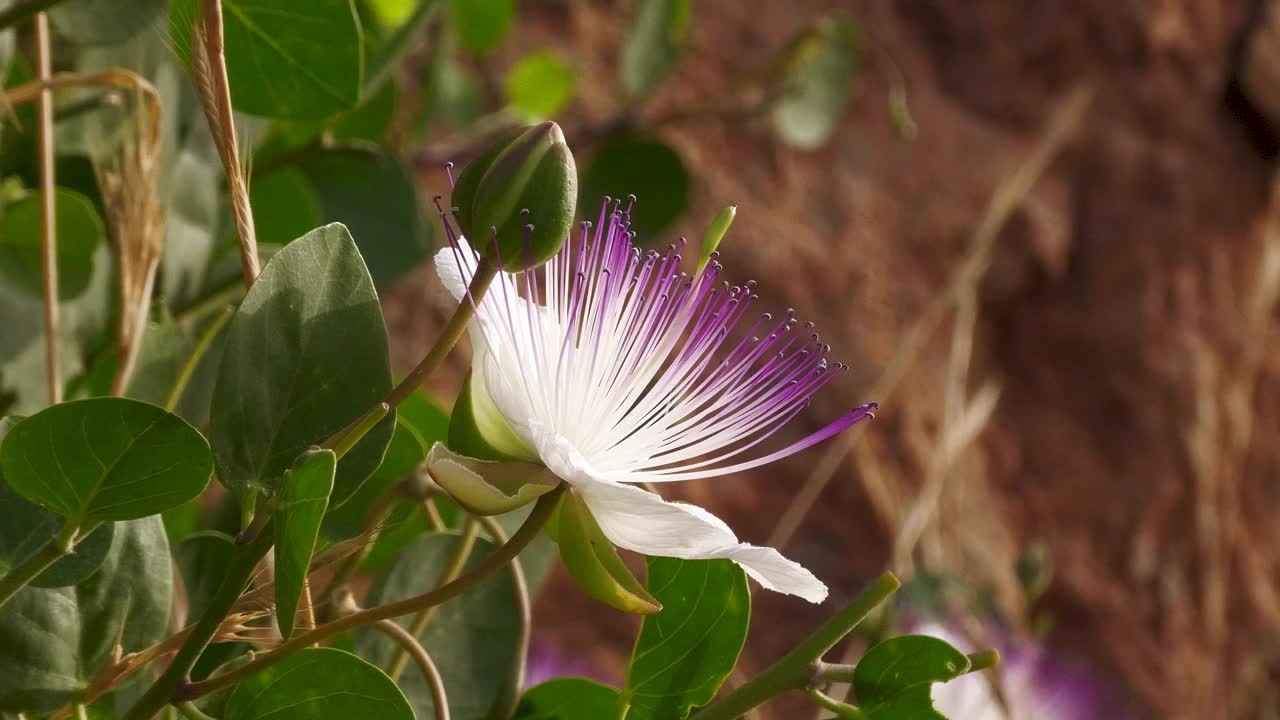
[474, 638]
[29, 527]
[655, 43]
[370, 121]
[373, 194]
[649, 169]
[202, 558]
[309, 347]
[105, 459]
[406, 19]
[53, 641]
[303, 500]
[284, 208]
[454, 94]
[540, 85]
[318, 683]
[817, 83]
[593, 561]
[79, 232]
[481, 24]
[285, 59]
[567, 699]
[893, 680]
[684, 653]
[103, 22]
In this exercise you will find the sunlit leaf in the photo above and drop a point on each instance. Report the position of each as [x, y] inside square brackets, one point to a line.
[540, 85]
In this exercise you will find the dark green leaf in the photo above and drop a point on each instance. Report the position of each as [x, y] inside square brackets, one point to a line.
[53, 641]
[655, 43]
[285, 59]
[454, 94]
[370, 121]
[105, 459]
[649, 169]
[304, 497]
[29, 527]
[284, 207]
[893, 680]
[372, 194]
[685, 652]
[567, 699]
[818, 80]
[481, 24]
[540, 85]
[79, 232]
[318, 683]
[309, 347]
[474, 638]
[104, 22]
[202, 557]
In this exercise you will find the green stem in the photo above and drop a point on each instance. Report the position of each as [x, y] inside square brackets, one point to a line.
[980, 661]
[461, 554]
[524, 607]
[191, 712]
[430, 673]
[347, 438]
[23, 10]
[18, 577]
[503, 555]
[239, 572]
[193, 360]
[796, 668]
[843, 710]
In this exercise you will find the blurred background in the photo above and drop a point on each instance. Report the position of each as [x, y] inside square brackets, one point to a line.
[1044, 234]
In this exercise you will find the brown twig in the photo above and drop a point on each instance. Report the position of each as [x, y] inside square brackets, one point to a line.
[48, 217]
[410, 645]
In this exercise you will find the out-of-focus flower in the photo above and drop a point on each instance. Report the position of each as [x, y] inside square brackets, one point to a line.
[1035, 684]
[610, 367]
[547, 661]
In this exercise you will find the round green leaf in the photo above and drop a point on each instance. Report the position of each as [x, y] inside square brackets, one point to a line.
[103, 22]
[567, 699]
[373, 194]
[105, 459]
[481, 24]
[649, 169]
[285, 59]
[315, 684]
[53, 641]
[817, 84]
[303, 499]
[284, 208]
[474, 638]
[893, 680]
[79, 232]
[655, 43]
[308, 346]
[685, 652]
[540, 85]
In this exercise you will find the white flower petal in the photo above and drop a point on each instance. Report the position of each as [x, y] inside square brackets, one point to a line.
[640, 521]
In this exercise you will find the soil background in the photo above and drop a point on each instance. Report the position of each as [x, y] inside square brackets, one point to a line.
[1125, 318]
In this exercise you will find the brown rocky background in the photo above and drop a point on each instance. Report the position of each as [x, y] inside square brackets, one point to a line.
[1092, 372]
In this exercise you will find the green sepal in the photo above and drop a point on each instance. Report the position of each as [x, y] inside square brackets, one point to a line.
[593, 562]
[486, 487]
[477, 429]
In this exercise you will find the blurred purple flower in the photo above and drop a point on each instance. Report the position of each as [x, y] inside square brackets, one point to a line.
[547, 661]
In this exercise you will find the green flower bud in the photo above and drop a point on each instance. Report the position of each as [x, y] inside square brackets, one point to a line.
[526, 178]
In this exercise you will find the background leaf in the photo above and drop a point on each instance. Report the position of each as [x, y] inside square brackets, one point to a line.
[893, 680]
[103, 22]
[105, 459]
[318, 683]
[684, 653]
[474, 638]
[284, 206]
[649, 169]
[52, 641]
[481, 24]
[202, 557]
[817, 83]
[567, 699]
[303, 499]
[79, 233]
[540, 85]
[654, 44]
[285, 59]
[309, 347]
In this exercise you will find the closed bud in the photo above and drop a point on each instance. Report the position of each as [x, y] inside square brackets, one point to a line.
[524, 188]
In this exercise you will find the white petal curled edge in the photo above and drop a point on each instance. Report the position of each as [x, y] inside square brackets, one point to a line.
[643, 522]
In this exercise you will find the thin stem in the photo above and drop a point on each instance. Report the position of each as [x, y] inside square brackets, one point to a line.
[409, 644]
[193, 360]
[461, 553]
[834, 672]
[844, 710]
[18, 577]
[191, 712]
[344, 440]
[48, 218]
[244, 562]
[524, 606]
[82, 711]
[503, 555]
[19, 12]
[984, 660]
[796, 668]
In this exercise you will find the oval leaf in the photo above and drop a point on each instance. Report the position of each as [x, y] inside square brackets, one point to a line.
[567, 699]
[53, 641]
[540, 85]
[893, 680]
[103, 22]
[318, 683]
[817, 84]
[303, 501]
[685, 652]
[481, 24]
[593, 561]
[79, 232]
[105, 459]
[655, 43]
[474, 638]
[649, 169]
[309, 347]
